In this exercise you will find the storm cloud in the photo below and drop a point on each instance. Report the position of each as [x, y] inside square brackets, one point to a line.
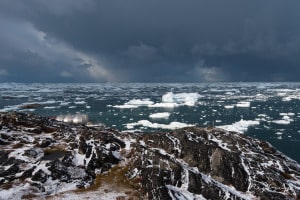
[149, 41]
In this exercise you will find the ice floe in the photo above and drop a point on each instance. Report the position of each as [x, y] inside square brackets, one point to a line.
[146, 123]
[164, 115]
[135, 103]
[240, 126]
[286, 119]
[243, 104]
[229, 106]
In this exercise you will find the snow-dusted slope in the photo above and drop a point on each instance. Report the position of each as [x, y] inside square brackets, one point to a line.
[40, 157]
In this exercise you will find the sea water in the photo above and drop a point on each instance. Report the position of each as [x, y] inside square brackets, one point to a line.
[268, 111]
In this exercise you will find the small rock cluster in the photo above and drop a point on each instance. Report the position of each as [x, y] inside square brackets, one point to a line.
[42, 157]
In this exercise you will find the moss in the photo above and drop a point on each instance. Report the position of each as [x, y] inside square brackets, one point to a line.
[29, 196]
[18, 145]
[115, 178]
[54, 153]
[287, 176]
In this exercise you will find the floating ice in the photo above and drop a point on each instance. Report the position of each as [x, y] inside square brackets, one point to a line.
[285, 119]
[240, 126]
[146, 123]
[50, 107]
[125, 106]
[80, 102]
[243, 104]
[135, 103]
[188, 99]
[287, 114]
[64, 103]
[160, 115]
[171, 100]
[163, 105]
[282, 122]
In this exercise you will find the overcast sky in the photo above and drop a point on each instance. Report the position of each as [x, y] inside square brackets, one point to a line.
[149, 40]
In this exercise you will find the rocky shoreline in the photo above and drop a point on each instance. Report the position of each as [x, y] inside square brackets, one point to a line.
[44, 158]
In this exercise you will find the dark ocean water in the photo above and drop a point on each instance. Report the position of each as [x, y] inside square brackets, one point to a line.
[268, 111]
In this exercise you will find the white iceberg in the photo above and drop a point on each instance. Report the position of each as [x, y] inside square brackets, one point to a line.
[171, 100]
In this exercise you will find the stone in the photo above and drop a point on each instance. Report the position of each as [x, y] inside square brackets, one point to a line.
[185, 163]
[40, 176]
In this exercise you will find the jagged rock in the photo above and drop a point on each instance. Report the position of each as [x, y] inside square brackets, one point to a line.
[58, 170]
[40, 176]
[190, 163]
[27, 173]
[11, 171]
[46, 142]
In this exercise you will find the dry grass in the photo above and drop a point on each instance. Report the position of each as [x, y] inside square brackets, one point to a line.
[29, 196]
[55, 149]
[18, 145]
[117, 180]
[287, 176]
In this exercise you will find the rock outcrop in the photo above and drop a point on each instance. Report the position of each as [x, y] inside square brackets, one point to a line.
[41, 157]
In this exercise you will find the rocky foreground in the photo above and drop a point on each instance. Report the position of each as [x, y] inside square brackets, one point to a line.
[44, 158]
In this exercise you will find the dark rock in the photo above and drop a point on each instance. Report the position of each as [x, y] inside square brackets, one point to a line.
[46, 142]
[3, 156]
[3, 142]
[27, 173]
[33, 153]
[30, 106]
[82, 146]
[68, 159]
[10, 171]
[5, 136]
[40, 176]
[58, 171]
[39, 186]
[211, 163]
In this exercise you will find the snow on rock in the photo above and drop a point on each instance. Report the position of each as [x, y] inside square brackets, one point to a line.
[69, 161]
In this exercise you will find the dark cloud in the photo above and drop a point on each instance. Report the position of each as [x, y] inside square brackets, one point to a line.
[149, 41]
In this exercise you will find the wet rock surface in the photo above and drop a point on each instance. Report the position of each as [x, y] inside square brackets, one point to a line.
[43, 157]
